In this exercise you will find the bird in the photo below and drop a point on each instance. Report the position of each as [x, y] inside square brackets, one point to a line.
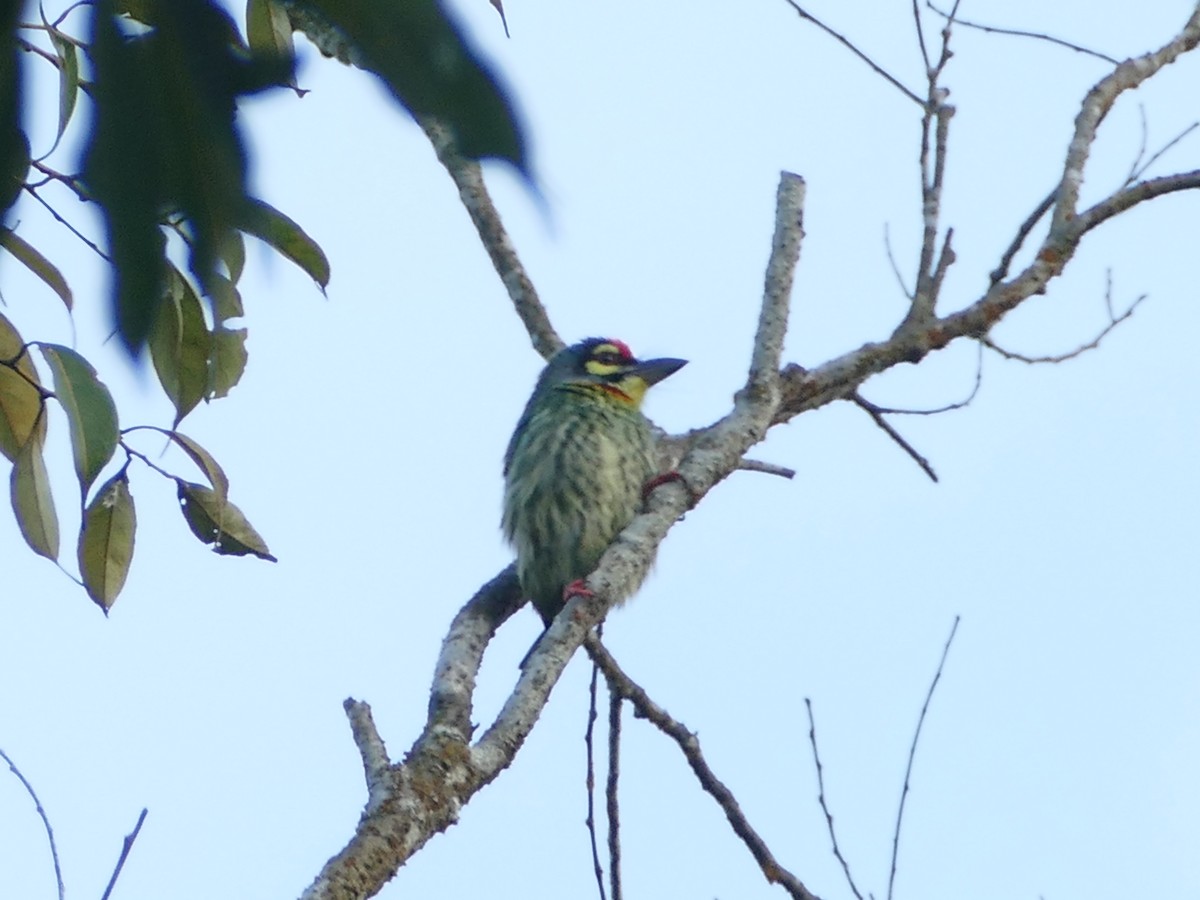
[576, 469]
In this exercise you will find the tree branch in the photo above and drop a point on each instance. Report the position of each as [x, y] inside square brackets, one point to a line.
[468, 177]
[689, 744]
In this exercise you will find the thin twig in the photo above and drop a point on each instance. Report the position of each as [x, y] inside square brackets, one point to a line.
[125, 848]
[1016, 32]
[1145, 136]
[916, 11]
[949, 407]
[37, 804]
[611, 793]
[1001, 271]
[878, 69]
[837, 850]
[1165, 147]
[887, 244]
[756, 465]
[912, 753]
[1063, 357]
[877, 415]
[646, 708]
[75, 231]
[590, 780]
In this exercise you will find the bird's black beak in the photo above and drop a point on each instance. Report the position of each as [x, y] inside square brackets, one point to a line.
[652, 371]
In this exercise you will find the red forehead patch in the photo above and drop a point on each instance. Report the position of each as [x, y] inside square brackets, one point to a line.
[622, 348]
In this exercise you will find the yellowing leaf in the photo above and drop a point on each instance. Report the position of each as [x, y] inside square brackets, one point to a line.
[106, 541]
[20, 402]
[32, 501]
[90, 410]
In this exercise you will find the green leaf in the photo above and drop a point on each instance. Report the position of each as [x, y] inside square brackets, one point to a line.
[220, 524]
[228, 360]
[268, 224]
[106, 541]
[14, 145]
[27, 255]
[202, 458]
[226, 300]
[68, 77]
[180, 345]
[233, 254]
[20, 401]
[91, 413]
[425, 61]
[165, 138]
[32, 502]
[269, 31]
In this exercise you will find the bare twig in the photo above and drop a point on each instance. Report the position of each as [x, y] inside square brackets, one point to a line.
[949, 407]
[887, 244]
[1145, 137]
[75, 231]
[611, 792]
[590, 781]
[876, 415]
[916, 12]
[37, 805]
[1114, 321]
[844, 41]
[468, 177]
[1154, 157]
[837, 850]
[755, 465]
[370, 747]
[126, 846]
[912, 754]
[1001, 271]
[624, 686]
[1015, 32]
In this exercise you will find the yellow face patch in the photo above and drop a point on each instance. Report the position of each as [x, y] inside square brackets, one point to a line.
[607, 359]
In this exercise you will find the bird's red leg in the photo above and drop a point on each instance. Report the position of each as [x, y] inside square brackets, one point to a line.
[577, 588]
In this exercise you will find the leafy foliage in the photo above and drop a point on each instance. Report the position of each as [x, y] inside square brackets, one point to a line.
[165, 162]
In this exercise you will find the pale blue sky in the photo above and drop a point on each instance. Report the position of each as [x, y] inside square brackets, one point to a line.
[1059, 758]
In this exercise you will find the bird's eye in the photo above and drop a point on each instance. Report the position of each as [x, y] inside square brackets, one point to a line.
[608, 358]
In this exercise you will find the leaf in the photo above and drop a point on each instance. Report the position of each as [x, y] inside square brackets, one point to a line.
[32, 502]
[20, 401]
[106, 541]
[14, 145]
[268, 224]
[180, 345]
[68, 77]
[202, 458]
[28, 256]
[91, 413]
[425, 61]
[233, 254]
[228, 360]
[165, 138]
[226, 300]
[269, 31]
[220, 524]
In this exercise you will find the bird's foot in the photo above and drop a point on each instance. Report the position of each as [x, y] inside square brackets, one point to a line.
[577, 588]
